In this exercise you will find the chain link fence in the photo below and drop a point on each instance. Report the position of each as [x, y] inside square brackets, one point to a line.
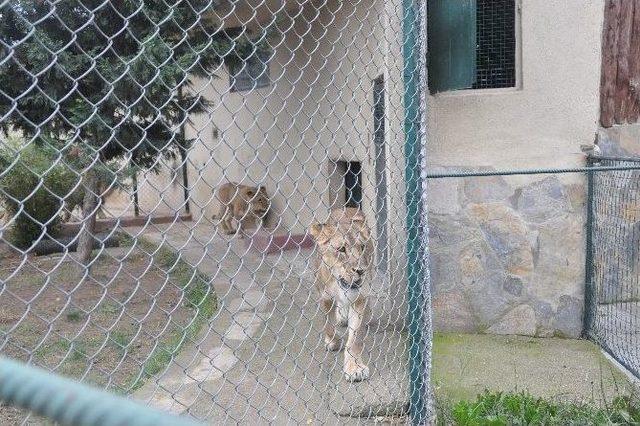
[193, 192]
[613, 241]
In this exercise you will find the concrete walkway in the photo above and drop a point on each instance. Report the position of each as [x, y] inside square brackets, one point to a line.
[262, 359]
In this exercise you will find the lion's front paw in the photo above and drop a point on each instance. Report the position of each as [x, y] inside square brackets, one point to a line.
[355, 371]
[333, 345]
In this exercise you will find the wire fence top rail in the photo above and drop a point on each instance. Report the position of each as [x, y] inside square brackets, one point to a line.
[541, 171]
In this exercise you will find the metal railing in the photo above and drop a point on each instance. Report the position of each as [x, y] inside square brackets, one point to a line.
[71, 403]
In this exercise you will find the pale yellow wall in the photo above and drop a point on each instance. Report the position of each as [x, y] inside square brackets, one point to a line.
[543, 123]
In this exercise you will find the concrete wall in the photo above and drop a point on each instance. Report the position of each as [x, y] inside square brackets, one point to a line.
[508, 253]
[318, 110]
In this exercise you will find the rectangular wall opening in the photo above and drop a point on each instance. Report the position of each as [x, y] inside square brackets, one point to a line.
[345, 184]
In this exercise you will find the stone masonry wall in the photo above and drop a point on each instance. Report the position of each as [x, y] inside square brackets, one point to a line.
[507, 259]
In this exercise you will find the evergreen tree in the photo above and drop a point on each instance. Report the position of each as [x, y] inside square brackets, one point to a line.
[106, 80]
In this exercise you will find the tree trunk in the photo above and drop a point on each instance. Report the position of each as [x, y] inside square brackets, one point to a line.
[183, 156]
[185, 177]
[89, 210]
[136, 201]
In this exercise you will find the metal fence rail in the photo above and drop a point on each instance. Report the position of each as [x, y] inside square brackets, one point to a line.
[70, 403]
[193, 192]
[613, 242]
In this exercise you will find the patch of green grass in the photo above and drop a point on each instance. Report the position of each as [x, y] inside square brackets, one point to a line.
[498, 409]
[120, 340]
[199, 296]
[79, 352]
[110, 308]
[74, 315]
[57, 346]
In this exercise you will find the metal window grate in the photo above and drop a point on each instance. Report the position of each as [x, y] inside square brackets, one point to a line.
[496, 44]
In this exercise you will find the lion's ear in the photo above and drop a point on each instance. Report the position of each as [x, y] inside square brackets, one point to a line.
[347, 215]
[321, 232]
[316, 229]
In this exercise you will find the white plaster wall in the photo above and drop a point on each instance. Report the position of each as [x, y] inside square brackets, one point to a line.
[318, 108]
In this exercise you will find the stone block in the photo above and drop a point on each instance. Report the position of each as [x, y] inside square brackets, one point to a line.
[542, 200]
[443, 196]
[519, 321]
[452, 313]
[487, 189]
[507, 234]
[568, 318]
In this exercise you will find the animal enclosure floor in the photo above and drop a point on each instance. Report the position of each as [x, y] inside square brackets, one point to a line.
[262, 359]
[109, 327]
[567, 370]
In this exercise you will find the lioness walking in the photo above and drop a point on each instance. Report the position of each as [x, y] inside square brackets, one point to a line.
[344, 266]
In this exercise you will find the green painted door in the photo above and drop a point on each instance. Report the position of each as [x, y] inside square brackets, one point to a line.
[452, 44]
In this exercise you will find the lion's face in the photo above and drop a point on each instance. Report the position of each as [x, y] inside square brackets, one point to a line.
[258, 200]
[344, 250]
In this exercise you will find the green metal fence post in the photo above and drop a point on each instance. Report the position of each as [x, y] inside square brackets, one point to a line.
[419, 331]
[589, 290]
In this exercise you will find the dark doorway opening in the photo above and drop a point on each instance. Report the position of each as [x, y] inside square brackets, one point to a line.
[353, 184]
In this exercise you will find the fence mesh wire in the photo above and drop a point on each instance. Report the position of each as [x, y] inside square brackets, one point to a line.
[163, 169]
[613, 288]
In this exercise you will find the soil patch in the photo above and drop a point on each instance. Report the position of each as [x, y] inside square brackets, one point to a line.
[113, 327]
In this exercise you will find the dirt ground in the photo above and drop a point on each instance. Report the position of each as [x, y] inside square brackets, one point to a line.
[114, 328]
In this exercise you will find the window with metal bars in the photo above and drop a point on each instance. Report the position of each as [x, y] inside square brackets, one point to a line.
[496, 44]
[472, 44]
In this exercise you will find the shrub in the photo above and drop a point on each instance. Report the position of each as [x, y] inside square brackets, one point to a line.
[33, 184]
